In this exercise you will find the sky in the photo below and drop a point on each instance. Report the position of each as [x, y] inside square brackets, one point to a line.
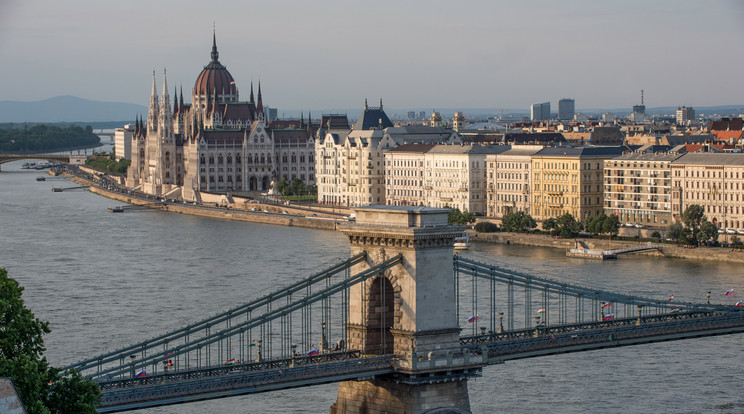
[330, 55]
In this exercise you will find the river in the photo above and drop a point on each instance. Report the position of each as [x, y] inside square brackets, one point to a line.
[106, 280]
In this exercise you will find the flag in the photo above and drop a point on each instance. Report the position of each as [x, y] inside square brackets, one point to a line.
[540, 324]
[253, 343]
[671, 298]
[229, 362]
[675, 310]
[738, 304]
[609, 317]
[140, 374]
[232, 83]
[541, 310]
[313, 352]
[729, 292]
[472, 318]
[607, 305]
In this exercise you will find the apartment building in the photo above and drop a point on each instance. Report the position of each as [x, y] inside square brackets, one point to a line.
[509, 179]
[714, 181]
[638, 188]
[570, 180]
[404, 175]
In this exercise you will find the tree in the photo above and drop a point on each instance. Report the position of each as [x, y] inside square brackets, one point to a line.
[708, 231]
[456, 216]
[567, 226]
[603, 224]
[282, 186]
[551, 225]
[22, 359]
[674, 231]
[693, 215]
[518, 221]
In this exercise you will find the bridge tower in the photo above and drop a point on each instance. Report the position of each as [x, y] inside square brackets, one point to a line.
[410, 312]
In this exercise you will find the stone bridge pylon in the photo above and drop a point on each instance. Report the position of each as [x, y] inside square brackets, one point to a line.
[409, 311]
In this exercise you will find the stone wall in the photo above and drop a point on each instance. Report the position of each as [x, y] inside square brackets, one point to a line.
[378, 397]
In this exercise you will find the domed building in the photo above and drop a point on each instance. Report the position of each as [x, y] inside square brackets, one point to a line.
[215, 144]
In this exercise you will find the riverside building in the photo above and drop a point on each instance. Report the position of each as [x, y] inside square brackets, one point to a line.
[216, 143]
[509, 180]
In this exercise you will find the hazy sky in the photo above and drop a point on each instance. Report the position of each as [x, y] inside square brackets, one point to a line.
[325, 55]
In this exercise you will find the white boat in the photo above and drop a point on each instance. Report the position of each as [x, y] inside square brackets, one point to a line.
[462, 242]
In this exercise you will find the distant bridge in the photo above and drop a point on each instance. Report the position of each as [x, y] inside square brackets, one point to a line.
[50, 157]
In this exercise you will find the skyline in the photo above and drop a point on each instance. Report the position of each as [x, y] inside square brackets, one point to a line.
[332, 55]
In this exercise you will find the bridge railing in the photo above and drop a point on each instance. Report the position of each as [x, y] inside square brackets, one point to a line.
[199, 350]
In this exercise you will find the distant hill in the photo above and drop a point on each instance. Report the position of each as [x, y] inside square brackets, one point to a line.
[68, 109]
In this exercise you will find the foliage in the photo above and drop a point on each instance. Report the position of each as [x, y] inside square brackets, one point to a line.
[105, 162]
[674, 231]
[518, 221]
[460, 217]
[708, 232]
[693, 215]
[655, 234]
[22, 359]
[549, 225]
[564, 226]
[603, 224]
[486, 227]
[44, 137]
[296, 188]
[735, 240]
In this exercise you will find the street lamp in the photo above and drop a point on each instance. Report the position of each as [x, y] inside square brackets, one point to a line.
[708, 295]
[501, 322]
[640, 308]
[537, 327]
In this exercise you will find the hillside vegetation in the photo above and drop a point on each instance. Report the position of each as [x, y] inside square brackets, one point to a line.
[45, 138]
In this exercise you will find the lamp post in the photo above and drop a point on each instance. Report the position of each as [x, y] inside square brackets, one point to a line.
[601, 310]
[258, 352]
[323, 343]
[133, 357]
[501, 322]
[537, 327]
[708, 295]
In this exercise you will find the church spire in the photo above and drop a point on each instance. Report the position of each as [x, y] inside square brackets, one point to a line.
[152, 113]
[252, 101]
[215, 53]
[259, 103]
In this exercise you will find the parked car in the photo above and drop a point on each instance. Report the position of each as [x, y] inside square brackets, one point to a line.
[285, 212]
[266, 211]
[730, 231]
[254, 209]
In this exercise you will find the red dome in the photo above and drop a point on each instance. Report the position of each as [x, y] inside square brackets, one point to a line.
[214, 77]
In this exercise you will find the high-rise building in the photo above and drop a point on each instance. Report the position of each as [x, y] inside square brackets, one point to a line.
[540, 111]
[685, 114]
[411, 114]
[566, 109]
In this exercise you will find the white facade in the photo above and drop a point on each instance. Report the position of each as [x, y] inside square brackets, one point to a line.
[123, 142]
[509, 180]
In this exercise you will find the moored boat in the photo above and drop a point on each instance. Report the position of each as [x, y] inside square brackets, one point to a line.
[462, 242]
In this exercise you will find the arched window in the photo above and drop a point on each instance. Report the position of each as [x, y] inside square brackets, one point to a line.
[220, 159]
[294, 158]
[302, 157]
[203, 160]
[211, 159]
[229, 159]
[167, 156]
[284, 158]
[263, 159]
[237, 158]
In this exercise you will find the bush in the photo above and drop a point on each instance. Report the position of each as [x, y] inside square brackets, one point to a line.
[486, 227]
[656, 234]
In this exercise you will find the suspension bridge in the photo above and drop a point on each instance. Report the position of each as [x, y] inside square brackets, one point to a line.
[401, 315]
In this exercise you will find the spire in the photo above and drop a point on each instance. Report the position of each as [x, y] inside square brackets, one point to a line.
[152, 113]
[252, 101]
[215, 53]
[381, 104]
[365, 104]
[302, 119]
[259, 103]
[175, 101]
[180, 104]
[309, 122]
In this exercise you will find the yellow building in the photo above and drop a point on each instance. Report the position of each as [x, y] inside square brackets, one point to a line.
[570, 180]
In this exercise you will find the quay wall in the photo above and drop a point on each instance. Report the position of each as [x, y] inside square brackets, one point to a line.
[668, 250]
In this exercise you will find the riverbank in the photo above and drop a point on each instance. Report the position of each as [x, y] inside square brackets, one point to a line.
[720, 254]
[299, 217]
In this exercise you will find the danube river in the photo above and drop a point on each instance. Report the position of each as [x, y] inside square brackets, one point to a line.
[107, 280]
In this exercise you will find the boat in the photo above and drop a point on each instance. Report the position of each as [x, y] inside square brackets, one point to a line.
[56, 189]
[117, 209]
[462, 242]
[40, 178]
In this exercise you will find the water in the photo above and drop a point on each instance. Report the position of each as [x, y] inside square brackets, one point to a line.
[106, 280]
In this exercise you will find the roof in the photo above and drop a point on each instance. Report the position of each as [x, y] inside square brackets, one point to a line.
[516, 151]
[417, 148]
[224, 136]
[646, 156]
[241, 110]
[522, 137]
[373, 118]
[469, 149]
[589, 152]
[708, 158]
[215, 77]
[290, 136]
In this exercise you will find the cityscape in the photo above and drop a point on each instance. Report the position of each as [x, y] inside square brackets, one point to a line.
[414, 208]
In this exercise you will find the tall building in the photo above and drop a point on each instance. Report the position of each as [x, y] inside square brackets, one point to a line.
[215, 144]
[566, 109]
[509, 178]
[350, 170]
[540, 111]
[123, 142]
[569, 180]
[684, 115]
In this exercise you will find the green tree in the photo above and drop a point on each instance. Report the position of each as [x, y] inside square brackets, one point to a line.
[551, 225]
[674, 231]
[283, 187]
[22, 359]
[708, 231]
[693, 216]
[518, 221]
[610, 225]
[456, 216]
[567, 226]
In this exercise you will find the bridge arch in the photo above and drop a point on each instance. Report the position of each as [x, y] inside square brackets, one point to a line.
[380, 304]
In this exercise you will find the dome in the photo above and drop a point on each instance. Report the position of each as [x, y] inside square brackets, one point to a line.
[215, 77]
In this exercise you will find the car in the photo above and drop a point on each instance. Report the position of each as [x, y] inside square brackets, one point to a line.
[285, 212]
[721, 231]
[346, 217]
[730, 231]
[313, 215]
[740, 231]
[266, 211]
[628, 224]
[254, 209]
[639, 226]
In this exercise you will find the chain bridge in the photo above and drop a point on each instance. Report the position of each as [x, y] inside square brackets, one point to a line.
[401, 325]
